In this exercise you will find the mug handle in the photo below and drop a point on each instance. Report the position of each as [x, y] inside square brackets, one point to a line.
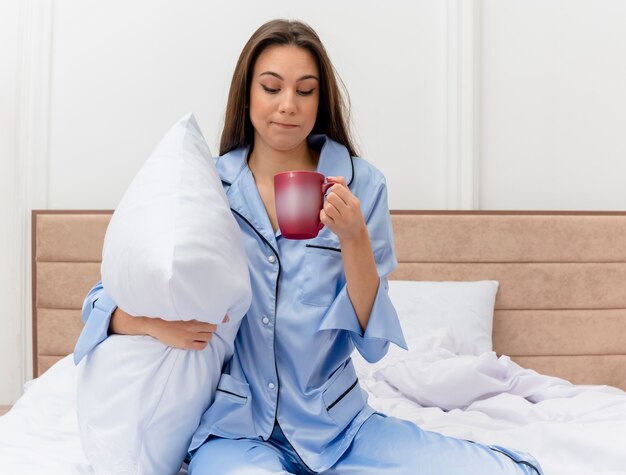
[325, 187]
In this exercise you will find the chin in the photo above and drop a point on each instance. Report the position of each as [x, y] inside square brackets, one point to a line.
[284, 144]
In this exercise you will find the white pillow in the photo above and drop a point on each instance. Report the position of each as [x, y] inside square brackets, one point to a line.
[462, 309]
[172, 249]
[139, 401]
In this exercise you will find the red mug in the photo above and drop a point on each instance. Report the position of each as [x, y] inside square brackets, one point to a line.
[299, 197]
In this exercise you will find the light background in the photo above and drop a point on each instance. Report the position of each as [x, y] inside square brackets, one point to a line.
[473, 104]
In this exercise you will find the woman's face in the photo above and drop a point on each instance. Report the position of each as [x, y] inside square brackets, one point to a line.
[284, 96]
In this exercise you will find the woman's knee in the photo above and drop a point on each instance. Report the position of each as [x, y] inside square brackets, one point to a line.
[236, 457]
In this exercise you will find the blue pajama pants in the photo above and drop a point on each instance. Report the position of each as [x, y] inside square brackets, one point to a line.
[383, 445]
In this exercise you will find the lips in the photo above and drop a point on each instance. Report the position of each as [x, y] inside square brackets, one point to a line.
[285, 126]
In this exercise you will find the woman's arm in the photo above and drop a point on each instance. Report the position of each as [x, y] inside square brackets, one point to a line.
[102, 317]
[187, 335]
[372, 322]
[361, 275]
[342, 215]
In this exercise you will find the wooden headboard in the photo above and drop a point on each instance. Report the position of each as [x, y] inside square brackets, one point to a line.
[560, 308]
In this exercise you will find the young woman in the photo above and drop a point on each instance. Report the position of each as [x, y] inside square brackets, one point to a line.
[288, 402]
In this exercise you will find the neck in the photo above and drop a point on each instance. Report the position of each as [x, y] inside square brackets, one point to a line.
[265, 162]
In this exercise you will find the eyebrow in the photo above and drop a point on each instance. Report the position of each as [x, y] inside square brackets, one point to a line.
[276, 75]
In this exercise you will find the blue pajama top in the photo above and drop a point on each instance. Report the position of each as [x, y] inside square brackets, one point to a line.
[291, 362]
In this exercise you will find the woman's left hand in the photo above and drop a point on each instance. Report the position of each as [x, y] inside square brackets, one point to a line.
[341, 212]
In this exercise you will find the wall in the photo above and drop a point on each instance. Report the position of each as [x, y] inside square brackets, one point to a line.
[553, 105]
[484, 104]
[10, 245]
[118, 82]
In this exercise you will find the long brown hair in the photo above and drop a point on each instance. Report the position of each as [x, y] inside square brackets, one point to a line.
[333, 113]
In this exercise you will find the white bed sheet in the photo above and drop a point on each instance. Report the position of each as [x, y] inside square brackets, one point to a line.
[572, 430]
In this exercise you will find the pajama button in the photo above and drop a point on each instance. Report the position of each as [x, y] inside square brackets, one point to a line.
[271, 385]
[265, 320]
[272, 259]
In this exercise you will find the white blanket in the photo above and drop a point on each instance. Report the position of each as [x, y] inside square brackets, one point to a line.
[572, 430]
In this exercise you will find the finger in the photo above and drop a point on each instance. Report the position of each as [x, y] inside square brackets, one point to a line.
[343, 192]
[337, 179]
[325, 219]
[190, 340]
[201, 337]
[337, 201]
[198, 345]
[331, 211]
[202, 327]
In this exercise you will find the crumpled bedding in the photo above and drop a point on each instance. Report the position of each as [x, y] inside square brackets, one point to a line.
[571, 429]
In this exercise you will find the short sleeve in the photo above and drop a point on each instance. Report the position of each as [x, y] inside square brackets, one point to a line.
[383, 325]
[97, 310]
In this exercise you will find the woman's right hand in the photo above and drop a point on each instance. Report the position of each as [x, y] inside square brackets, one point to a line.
[186, 335]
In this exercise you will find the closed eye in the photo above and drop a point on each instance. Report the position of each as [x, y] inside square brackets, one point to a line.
[269, 89]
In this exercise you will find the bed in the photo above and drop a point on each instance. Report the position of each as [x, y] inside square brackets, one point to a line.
[553, 384]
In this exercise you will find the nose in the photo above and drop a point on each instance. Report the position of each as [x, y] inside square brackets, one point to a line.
[287, 104]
